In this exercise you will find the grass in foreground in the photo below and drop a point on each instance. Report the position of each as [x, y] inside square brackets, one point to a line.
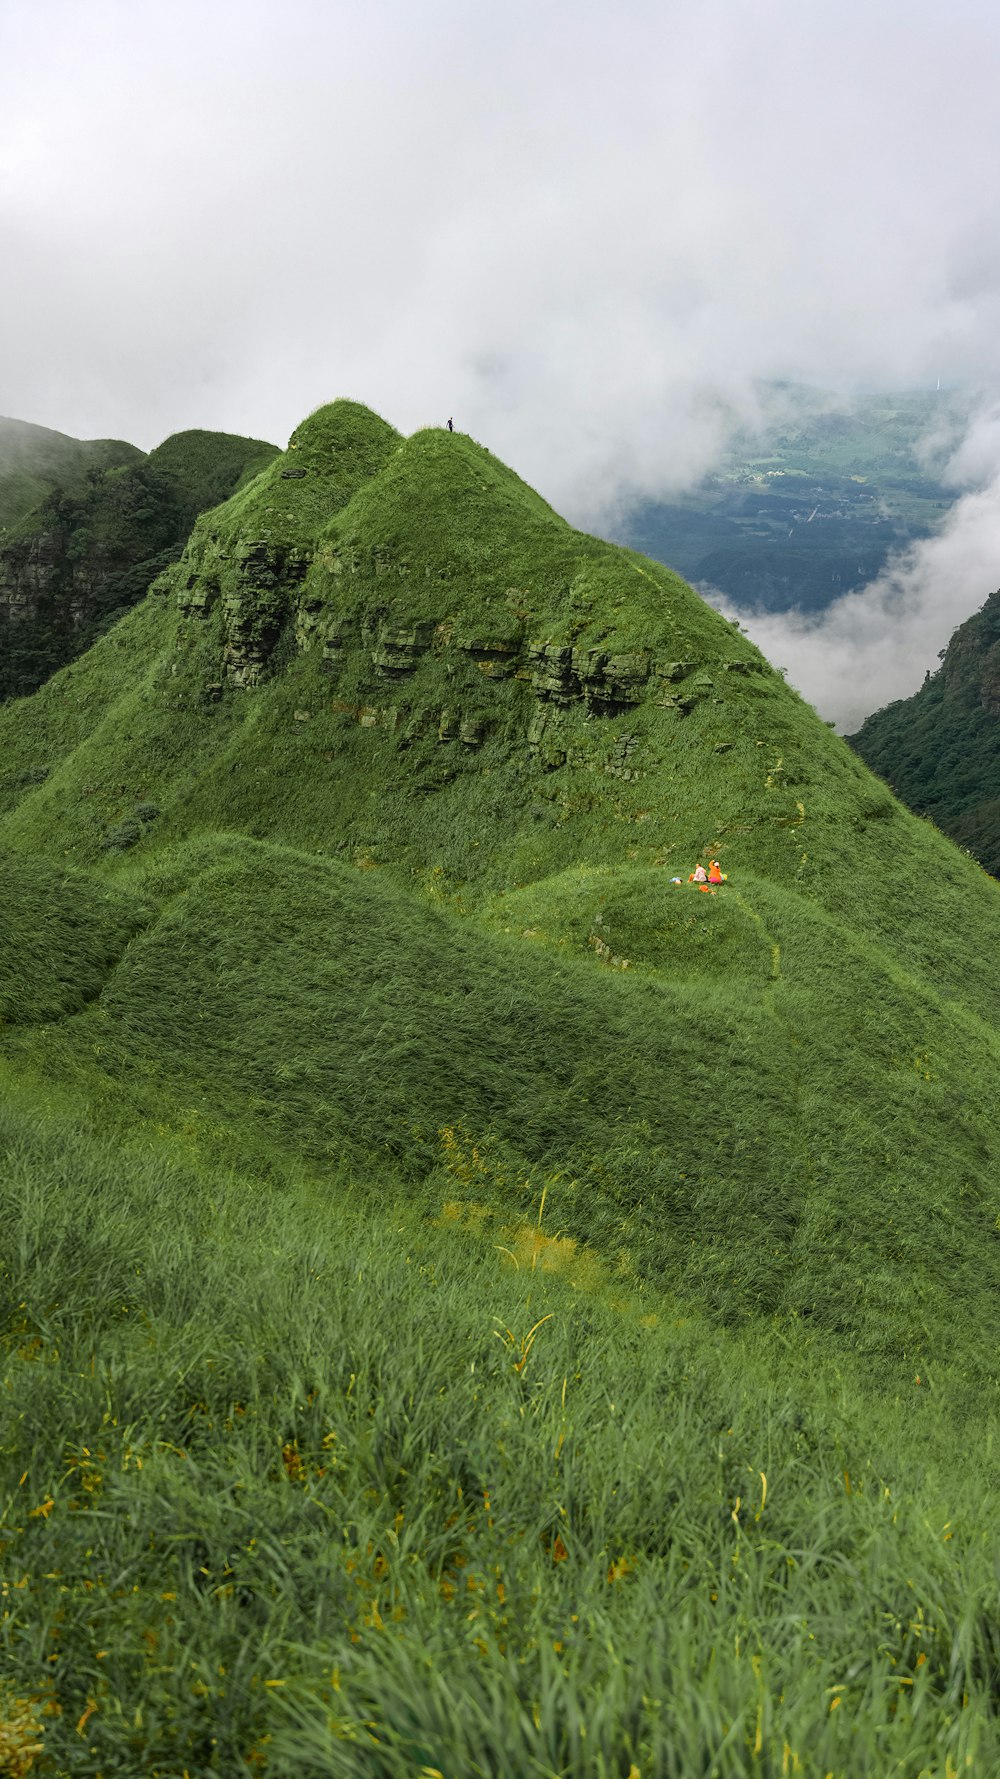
[387, 1500]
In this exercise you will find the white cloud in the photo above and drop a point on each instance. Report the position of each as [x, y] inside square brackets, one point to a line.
[586, 230]
[875, 645]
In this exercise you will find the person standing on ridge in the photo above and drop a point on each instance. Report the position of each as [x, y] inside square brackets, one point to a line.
[451, 424]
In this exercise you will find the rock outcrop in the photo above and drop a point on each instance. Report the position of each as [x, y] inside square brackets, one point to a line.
[85, 554]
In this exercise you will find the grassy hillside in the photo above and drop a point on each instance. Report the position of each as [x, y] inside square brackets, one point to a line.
[34, 460]
[210, 466]
[810, 504]
[60, 935]
[940, 749]
[442, 1242]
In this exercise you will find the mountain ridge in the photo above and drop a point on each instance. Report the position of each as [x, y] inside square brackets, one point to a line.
[36, 459]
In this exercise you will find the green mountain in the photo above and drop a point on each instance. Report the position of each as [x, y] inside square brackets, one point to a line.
[96, 538]
[34, 461]
[940, 749]
[809, 505]
[469, 1301]
[207, 467]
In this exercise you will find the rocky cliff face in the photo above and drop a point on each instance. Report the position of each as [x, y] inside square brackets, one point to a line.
[65, 563]
[79, 559]
[392, 673]
[31, 570]
[256, 581]
[439, 649]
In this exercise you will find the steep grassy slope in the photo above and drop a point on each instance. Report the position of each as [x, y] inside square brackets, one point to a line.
[339, 878]
[940, 749]
[34, 460]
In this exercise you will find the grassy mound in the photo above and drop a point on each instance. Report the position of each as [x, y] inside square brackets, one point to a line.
[211, 466]
[742, 1133]
[61, 933]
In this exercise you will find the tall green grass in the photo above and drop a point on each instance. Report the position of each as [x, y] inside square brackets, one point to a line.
[288, 1486]
[61, 934]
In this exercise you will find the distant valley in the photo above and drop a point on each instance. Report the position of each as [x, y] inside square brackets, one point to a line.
[811, 505]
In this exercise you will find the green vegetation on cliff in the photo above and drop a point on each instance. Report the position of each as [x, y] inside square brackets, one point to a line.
[441, 1244]
[940, 749]
[91, 545]
[208, 467]
[34, 461]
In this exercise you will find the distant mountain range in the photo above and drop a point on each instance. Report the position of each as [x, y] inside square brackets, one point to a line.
[85, 527]
[34, 460]
[811, 505]
[940, 749]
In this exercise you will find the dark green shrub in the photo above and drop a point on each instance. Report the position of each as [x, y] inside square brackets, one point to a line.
[122, 836]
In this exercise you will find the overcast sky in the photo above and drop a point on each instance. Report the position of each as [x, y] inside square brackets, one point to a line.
[586, 230]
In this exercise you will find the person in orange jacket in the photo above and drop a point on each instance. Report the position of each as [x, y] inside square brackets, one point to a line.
[715, 872]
